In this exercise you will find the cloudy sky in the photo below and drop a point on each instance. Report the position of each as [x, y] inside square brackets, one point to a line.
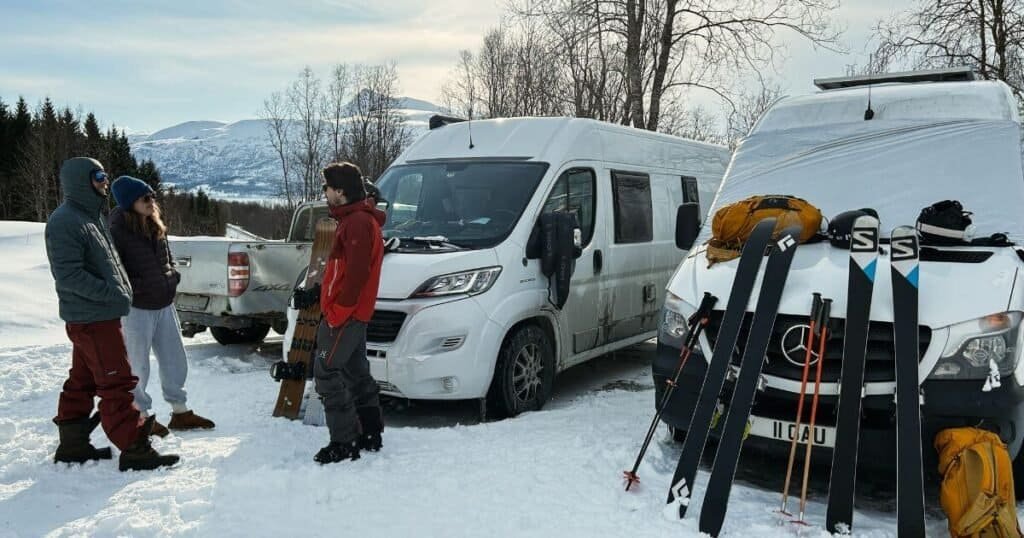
[149, 65]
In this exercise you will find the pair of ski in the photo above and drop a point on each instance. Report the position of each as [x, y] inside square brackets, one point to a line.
[904, 262]
[910, 498]
[716, 495]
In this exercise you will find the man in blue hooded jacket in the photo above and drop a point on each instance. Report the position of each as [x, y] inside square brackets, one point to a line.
[93, 291]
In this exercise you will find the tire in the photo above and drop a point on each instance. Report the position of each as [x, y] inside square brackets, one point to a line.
[249, 335]
[524, 374]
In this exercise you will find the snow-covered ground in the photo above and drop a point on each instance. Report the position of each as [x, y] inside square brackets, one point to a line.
[555, 472]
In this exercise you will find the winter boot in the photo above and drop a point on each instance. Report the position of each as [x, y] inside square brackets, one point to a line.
[74, 444]
[373, 426]
[189, 421]
[335, 452]
[159, 430]
[140, 456]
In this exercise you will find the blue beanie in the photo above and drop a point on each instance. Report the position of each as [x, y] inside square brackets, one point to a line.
[127, 189]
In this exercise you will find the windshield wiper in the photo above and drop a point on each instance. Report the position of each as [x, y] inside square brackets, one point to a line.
[433, 241]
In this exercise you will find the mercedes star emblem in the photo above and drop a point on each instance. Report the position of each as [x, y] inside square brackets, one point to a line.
[794, 345]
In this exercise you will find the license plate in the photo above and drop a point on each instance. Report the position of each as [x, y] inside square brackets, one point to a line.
[195, 303]
[782, 430]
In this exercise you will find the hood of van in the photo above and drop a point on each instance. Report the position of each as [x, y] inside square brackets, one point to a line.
[949, 292]
[402, 273]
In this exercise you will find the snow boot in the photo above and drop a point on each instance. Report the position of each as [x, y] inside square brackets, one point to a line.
[141, 456]
[373, 426]
[189, 421]
[335, 452]
[159, 430]
[74, 444]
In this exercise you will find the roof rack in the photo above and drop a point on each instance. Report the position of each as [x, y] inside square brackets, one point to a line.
[438, 120]
[953, 74]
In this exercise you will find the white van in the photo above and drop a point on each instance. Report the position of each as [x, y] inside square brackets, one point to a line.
[464, 310]
[926, 142]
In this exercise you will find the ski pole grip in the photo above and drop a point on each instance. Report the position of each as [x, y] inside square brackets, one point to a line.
[824, 315]
[704, 309]
[816, 307]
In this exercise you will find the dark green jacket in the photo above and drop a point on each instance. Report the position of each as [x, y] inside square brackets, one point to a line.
[92, 285]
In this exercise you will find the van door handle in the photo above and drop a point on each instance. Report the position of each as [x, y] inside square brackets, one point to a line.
[598, 261]
[649, 293]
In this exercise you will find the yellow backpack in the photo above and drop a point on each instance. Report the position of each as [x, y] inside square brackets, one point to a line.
[977, 484]
[732, 224]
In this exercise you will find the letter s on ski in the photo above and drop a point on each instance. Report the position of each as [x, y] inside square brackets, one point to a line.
[864, 239]
[902, 248]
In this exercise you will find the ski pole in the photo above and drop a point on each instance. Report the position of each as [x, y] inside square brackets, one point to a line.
[823, 316]
[815, 309]
[695, 324]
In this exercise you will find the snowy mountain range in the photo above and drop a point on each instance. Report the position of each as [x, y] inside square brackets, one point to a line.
[233, 160]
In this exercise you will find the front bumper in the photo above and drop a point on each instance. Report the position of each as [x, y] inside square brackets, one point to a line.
[443, 350]
[947, 404]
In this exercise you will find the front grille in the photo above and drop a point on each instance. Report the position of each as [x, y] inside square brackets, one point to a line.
[878, 365]
[384, 326]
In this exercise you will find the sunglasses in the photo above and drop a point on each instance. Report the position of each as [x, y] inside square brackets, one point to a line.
[99, 176]
[149, 198]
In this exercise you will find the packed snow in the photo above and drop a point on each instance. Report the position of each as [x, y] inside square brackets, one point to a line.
[555, 472]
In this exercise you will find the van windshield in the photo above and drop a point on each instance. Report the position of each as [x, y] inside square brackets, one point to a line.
[895, 167]
[457, 204]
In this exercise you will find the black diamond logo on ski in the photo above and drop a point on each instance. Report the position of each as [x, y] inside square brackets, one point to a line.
[785, 243]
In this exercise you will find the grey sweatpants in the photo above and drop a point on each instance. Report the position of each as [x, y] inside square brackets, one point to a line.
[342, 377]
[160, 332]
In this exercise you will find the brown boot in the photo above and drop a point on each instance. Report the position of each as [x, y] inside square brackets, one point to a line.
[189, 421]
[140, 456]
[159, 430]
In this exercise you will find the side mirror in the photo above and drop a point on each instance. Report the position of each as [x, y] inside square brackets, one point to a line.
[687, 225]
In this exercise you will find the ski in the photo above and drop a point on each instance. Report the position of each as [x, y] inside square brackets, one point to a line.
[860, 285]
[716, 497]
[904, 259]
[728, 333]
[695, 325]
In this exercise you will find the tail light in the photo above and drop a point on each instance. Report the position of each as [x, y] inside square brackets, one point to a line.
[238, 273]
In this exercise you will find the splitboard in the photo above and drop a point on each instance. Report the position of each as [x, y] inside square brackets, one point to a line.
[294, 372]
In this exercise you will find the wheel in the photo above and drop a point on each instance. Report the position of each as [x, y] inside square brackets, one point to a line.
[524, 374]
[249, 335]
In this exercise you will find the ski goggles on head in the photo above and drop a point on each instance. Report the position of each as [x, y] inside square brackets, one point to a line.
[99, 176]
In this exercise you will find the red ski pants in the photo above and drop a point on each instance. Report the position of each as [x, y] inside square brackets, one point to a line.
[100, 367]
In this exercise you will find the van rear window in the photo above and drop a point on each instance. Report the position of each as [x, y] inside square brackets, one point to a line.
[634, 221]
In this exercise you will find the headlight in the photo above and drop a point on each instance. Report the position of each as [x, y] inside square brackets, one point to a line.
[467, 282]
[974, 344]
[673, 321]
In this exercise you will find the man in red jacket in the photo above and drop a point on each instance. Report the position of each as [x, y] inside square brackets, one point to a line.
[347, 297]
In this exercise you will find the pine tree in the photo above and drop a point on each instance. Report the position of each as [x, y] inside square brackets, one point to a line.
[149, 174]
[93, 137]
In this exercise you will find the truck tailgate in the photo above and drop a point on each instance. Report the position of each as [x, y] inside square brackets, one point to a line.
[202, 262]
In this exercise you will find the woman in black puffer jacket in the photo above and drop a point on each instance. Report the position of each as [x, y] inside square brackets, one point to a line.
[152, 322]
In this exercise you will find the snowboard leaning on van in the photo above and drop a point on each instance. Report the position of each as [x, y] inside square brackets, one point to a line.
[293, 373]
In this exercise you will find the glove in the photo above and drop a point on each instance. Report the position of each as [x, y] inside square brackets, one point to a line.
[305, 298]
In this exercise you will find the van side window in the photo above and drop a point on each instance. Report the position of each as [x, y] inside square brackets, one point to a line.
[690, 192]
[634, 219]
[574, 191]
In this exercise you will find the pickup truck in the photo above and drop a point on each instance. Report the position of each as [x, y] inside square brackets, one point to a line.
[240, 288]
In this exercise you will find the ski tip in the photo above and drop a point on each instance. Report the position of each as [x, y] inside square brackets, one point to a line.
[865, 221]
